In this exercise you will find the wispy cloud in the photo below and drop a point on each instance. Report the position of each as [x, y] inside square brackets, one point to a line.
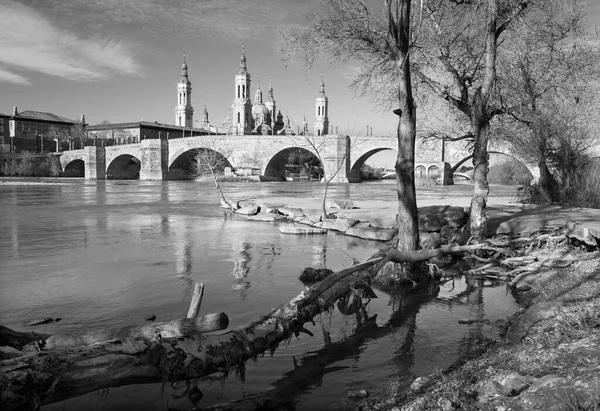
[222, 19]
[33, 43]
[9, 77]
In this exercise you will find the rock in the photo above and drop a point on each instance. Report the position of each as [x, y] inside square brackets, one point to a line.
[40, 321]
[475, 320]
[442, 261]
[229, 205]
[433, 218]
[358, 394]
[7, 353]
[337, 224]
[245, 203]
[560, 394]
[523, 288]
[269, 209]
[248, 210]
[266, 218]
[303, 220]
[150, 318]
[313, 215]
[301, 230]
[340, 204]
[511, 385]
[365, 231]
[420, 384]
[521, 324]
[291, 213]
[455, 235]
[547, 381]
[430, 240]
[312, 275]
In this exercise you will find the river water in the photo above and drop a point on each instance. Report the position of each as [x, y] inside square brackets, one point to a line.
[110, 253]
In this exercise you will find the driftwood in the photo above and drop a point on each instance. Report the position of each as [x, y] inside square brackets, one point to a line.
[64, 371]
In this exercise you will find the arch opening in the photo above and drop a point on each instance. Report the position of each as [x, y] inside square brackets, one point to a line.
[124, 167]
[199, 164]
[293, 164]
[75, 168]
[361, 171]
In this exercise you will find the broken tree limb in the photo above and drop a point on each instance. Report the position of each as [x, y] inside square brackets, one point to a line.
[168, 329]
[196, 302]
[398, 256]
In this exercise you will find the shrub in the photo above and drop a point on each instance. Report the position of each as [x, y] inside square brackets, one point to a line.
[582, 192]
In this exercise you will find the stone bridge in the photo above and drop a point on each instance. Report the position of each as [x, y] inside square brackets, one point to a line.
[161, 159]
[155, 159]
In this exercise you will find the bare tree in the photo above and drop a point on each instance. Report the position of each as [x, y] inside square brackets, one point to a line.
[544, 76]
[378, 35]
[459, 63]
[320, 145]
[211, 160]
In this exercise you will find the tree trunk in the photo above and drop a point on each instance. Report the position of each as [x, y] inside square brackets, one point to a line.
[480, 120]
[407, 218]
[547, 183]
[478, 219]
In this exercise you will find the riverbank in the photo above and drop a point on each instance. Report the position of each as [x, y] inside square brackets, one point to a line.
[548, 358]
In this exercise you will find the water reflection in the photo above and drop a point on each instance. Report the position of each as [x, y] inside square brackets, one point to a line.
[183, 244]
[241, 268]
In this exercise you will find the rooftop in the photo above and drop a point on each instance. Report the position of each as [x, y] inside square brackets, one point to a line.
[40, 115]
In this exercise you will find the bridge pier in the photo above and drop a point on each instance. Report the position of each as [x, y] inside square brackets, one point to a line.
[94, 163]
[336, 159]
[154, 159]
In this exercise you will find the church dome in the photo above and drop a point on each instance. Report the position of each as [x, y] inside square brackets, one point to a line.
[259, 109]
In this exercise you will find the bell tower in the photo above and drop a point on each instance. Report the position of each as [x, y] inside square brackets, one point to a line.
[271, 106]
[184, 112]
[241, 109]
[322, 111]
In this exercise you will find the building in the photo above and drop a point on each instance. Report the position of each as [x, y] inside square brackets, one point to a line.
[258, 117]
[111, 134]
[5, 146]
[38, 131]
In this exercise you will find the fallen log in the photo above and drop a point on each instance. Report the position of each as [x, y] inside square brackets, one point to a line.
[168, 329]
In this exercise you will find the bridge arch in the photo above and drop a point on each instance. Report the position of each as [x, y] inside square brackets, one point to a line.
[535, 171]
[124, 167]
[306, 164]
[354, 175]
[74, 168]
[185, 164]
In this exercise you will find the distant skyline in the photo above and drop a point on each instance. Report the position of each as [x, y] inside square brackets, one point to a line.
[120, 61]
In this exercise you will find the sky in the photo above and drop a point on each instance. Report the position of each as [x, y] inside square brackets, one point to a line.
[120, 60]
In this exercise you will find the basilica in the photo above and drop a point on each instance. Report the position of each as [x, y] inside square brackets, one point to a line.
[247, 117]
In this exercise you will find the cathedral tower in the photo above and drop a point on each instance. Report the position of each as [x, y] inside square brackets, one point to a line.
[241, 109]
[184, 112]
[271, 106]
[322, 111]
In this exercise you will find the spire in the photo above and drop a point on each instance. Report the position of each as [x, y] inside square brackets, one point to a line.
[322, 87]
[184, 70]
[243, 58]
[258, 94]
[205, 115]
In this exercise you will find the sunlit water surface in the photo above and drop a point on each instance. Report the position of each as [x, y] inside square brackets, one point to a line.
[106, 254]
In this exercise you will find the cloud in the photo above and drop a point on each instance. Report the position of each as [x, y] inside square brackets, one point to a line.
[9, 77]
[34, 43]
[223, 19]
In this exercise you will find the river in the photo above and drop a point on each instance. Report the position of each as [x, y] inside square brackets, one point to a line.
[110, 253]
